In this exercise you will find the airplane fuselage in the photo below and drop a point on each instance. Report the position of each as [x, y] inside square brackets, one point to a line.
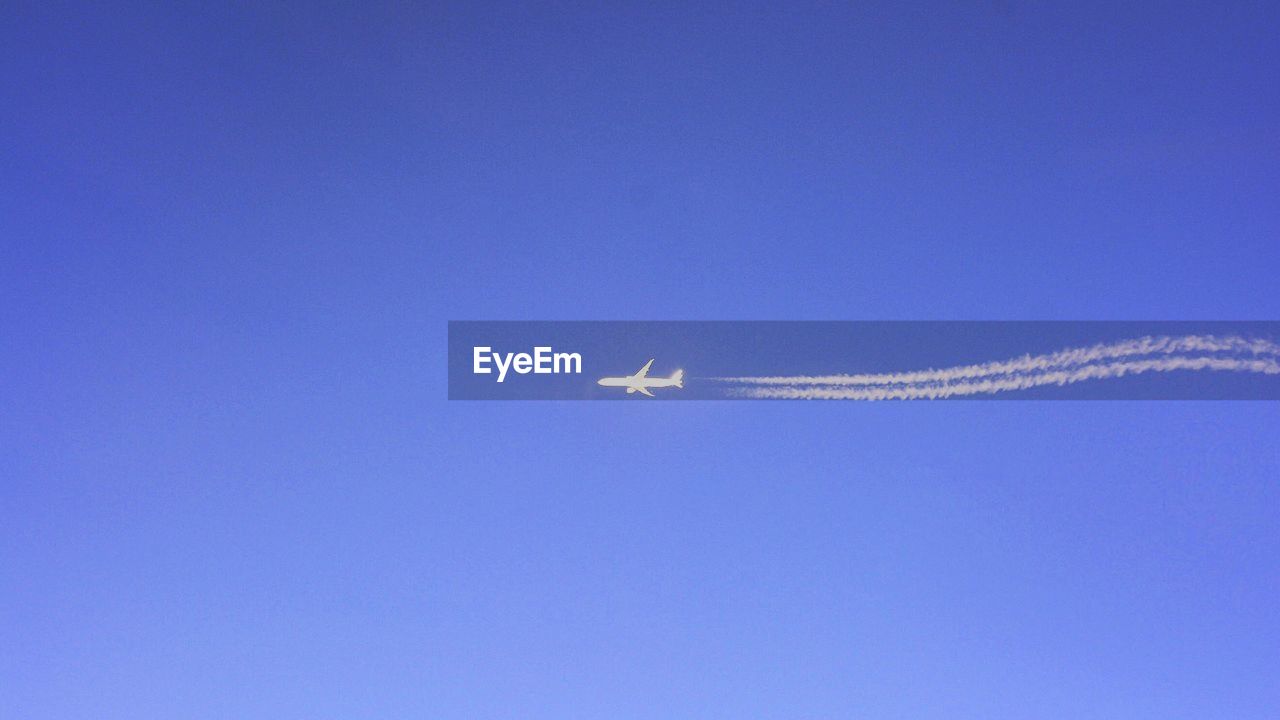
[642, 383]
[627, 382]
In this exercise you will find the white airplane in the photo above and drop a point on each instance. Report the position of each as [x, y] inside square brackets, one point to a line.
[639, 383]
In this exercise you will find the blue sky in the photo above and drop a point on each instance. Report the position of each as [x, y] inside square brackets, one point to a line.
[231, 239]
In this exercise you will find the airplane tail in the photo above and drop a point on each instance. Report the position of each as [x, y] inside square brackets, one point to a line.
[678, 377]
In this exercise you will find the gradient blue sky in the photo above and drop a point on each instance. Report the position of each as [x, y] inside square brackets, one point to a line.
[231, 237]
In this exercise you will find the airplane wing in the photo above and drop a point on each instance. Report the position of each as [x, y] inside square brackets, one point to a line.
[644, 389]
[643, 371]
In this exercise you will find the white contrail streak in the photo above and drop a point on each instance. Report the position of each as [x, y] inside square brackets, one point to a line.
[1058, 360]
[996, 384]
[1066, 367]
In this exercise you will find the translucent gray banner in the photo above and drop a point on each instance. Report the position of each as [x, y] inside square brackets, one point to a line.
[901, 360]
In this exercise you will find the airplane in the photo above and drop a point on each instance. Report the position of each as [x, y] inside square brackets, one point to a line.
[639, 383]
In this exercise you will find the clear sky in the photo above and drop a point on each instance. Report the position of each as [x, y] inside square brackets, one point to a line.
[231, 238]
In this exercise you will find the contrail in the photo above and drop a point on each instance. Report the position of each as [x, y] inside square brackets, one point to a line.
[1066, 367]
[1065, 358]
[1006, 383]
